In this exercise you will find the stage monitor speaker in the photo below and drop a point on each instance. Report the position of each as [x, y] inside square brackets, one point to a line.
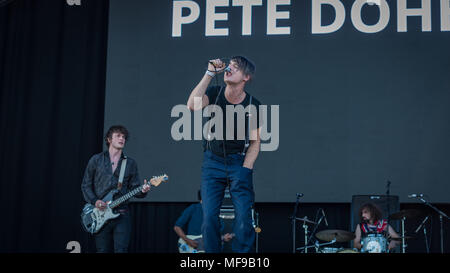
[388, 205]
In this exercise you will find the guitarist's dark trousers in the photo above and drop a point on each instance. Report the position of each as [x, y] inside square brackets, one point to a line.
[115, 235]
[214, 172]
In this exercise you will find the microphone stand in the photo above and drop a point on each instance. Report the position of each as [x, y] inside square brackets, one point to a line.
[388, 191]
[441, 216]
[424, 227]
[426, 239]
[294, 218]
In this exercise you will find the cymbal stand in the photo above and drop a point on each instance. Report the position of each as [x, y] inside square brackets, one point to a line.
[388, 192]
[441, 216]
[424, 227]
[305, 228]
[403, 235]
[317, 245]
[315, 226]
[294, 218]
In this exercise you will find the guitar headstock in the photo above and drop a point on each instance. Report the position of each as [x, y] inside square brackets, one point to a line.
[156, 180]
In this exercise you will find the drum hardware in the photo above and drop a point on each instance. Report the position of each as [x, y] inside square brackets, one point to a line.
[401, 238]
[402, 215]
[305, 228]
[403, 235]
[294, 219]
[332, 236]
[341, 236]
[409, 213]
[441, 216]
[424, 227]
[388, 192]
[316, 225]
[317, 245]
[305, 219]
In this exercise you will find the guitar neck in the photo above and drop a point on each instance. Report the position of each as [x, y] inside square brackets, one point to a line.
[125, 197]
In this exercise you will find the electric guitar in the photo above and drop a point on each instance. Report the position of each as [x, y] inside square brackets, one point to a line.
[183, 247]
[93, 219]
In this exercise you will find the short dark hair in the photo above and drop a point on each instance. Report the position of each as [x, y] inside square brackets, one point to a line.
[116, 129]
[245, 65]
[375, 211]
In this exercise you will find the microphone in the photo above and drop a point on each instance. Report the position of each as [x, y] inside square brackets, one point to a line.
[227, 69]
[423, 223]
[325, 217]
[414, 195]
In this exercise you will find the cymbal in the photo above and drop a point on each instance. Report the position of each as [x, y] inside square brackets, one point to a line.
[305, 219]
[409, 213]
[340, 235]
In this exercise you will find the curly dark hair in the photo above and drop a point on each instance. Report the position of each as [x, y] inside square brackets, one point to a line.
[116, 129]
[375, 211]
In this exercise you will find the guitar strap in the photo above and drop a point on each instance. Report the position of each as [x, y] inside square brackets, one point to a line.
[122, 173]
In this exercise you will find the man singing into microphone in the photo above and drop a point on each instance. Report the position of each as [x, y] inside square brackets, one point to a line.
[228, 159]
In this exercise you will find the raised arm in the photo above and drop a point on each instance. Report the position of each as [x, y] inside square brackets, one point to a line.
[198, 92]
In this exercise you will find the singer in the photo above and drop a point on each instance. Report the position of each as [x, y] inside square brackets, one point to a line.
[228, 161]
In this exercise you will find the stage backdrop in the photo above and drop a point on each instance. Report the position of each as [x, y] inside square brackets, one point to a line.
[358, 94]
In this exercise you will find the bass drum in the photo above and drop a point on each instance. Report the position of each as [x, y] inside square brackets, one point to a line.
[374, 243]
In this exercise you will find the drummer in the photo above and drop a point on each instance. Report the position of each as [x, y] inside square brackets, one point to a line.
[371, 223]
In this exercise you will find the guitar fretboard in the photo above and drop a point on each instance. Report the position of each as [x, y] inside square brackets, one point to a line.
[125, 197]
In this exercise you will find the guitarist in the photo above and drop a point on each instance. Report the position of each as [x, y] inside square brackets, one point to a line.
[102, 176]
[191, 221]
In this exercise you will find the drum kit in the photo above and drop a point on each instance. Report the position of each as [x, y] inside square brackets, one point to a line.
[372, 243]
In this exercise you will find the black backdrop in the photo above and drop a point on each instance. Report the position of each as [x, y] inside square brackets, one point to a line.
[52, 82]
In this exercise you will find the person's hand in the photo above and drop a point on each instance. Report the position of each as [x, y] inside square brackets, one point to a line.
[192, 243]
[216, 65]
[100, 205]
[227, 237]
[146, 186]
[392, 245]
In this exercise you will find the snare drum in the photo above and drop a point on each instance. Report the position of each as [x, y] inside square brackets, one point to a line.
[348, 250]
[328, 250]
[374, 243]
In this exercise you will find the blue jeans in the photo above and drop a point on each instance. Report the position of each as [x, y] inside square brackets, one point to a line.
[214, 182]
[114, 235]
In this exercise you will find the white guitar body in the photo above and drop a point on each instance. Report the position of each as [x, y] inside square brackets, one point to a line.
[100, 217]
[183, 247]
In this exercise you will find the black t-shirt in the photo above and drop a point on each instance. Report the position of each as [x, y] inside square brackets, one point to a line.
[216, 95]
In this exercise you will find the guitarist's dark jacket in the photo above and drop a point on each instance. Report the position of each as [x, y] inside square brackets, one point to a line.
[99, 180]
